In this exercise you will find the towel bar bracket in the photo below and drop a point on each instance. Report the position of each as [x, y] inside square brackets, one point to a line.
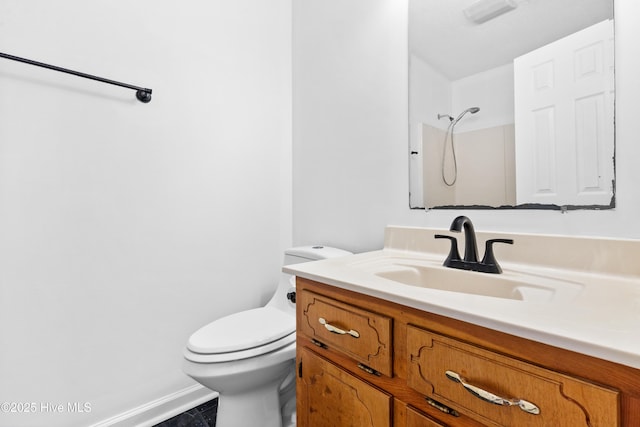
[143, 95]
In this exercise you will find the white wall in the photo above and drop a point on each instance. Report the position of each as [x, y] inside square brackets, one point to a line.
[430, 95]
[350, 120]
[350, 131]
[492, 91]
[126, 226]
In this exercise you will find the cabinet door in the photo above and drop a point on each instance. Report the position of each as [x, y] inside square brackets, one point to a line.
[416, 418]
[329, 396]
[468, 378]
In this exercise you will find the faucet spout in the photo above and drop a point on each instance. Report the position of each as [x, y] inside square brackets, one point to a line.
[470, 244]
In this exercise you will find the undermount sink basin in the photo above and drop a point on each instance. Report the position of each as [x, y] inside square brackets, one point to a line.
[508, 285]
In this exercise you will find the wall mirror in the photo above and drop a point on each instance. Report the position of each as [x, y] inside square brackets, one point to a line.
[511, 104]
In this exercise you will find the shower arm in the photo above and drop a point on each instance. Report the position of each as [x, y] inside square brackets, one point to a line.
[142, 94]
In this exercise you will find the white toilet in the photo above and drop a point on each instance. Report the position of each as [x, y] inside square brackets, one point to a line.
[249, 357]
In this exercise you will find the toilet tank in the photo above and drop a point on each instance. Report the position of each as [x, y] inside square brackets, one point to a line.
[284, 297]
[311, 253]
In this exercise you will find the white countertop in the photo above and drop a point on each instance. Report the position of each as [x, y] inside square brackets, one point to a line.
[603, 320]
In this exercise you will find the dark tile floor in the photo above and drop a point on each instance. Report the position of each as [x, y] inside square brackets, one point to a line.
[200, 416]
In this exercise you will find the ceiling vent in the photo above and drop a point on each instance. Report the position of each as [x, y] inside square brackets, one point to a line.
[484, 10]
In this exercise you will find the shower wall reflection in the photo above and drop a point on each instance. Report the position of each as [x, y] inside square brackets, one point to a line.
[485, 167]
[484, 142]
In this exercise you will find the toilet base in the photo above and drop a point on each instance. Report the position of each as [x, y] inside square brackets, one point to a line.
[259, 407]
[252, 392]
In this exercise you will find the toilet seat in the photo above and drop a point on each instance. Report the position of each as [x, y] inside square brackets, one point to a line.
[242, 335]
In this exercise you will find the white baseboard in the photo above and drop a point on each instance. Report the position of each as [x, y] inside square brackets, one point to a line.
[161, 409]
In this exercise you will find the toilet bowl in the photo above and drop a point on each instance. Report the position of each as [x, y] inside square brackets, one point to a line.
[249, 357]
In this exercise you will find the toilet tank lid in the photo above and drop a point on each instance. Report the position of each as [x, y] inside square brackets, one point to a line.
[316, 252]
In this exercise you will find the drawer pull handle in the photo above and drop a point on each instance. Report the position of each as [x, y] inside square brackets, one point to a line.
[492, 398]
[335, 330]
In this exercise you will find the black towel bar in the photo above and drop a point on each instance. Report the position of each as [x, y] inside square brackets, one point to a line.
[143, 94]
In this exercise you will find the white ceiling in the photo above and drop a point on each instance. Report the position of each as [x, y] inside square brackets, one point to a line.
[440, 34]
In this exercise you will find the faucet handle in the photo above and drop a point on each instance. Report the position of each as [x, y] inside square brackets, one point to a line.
[454, 255]
[489, 260]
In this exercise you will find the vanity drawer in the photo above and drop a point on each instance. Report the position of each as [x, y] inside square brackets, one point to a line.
[560, 399]
[361, 334]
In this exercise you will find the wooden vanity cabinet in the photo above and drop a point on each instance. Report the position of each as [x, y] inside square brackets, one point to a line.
[370, 363]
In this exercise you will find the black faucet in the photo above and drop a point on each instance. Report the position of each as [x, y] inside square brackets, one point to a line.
[489, 264]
